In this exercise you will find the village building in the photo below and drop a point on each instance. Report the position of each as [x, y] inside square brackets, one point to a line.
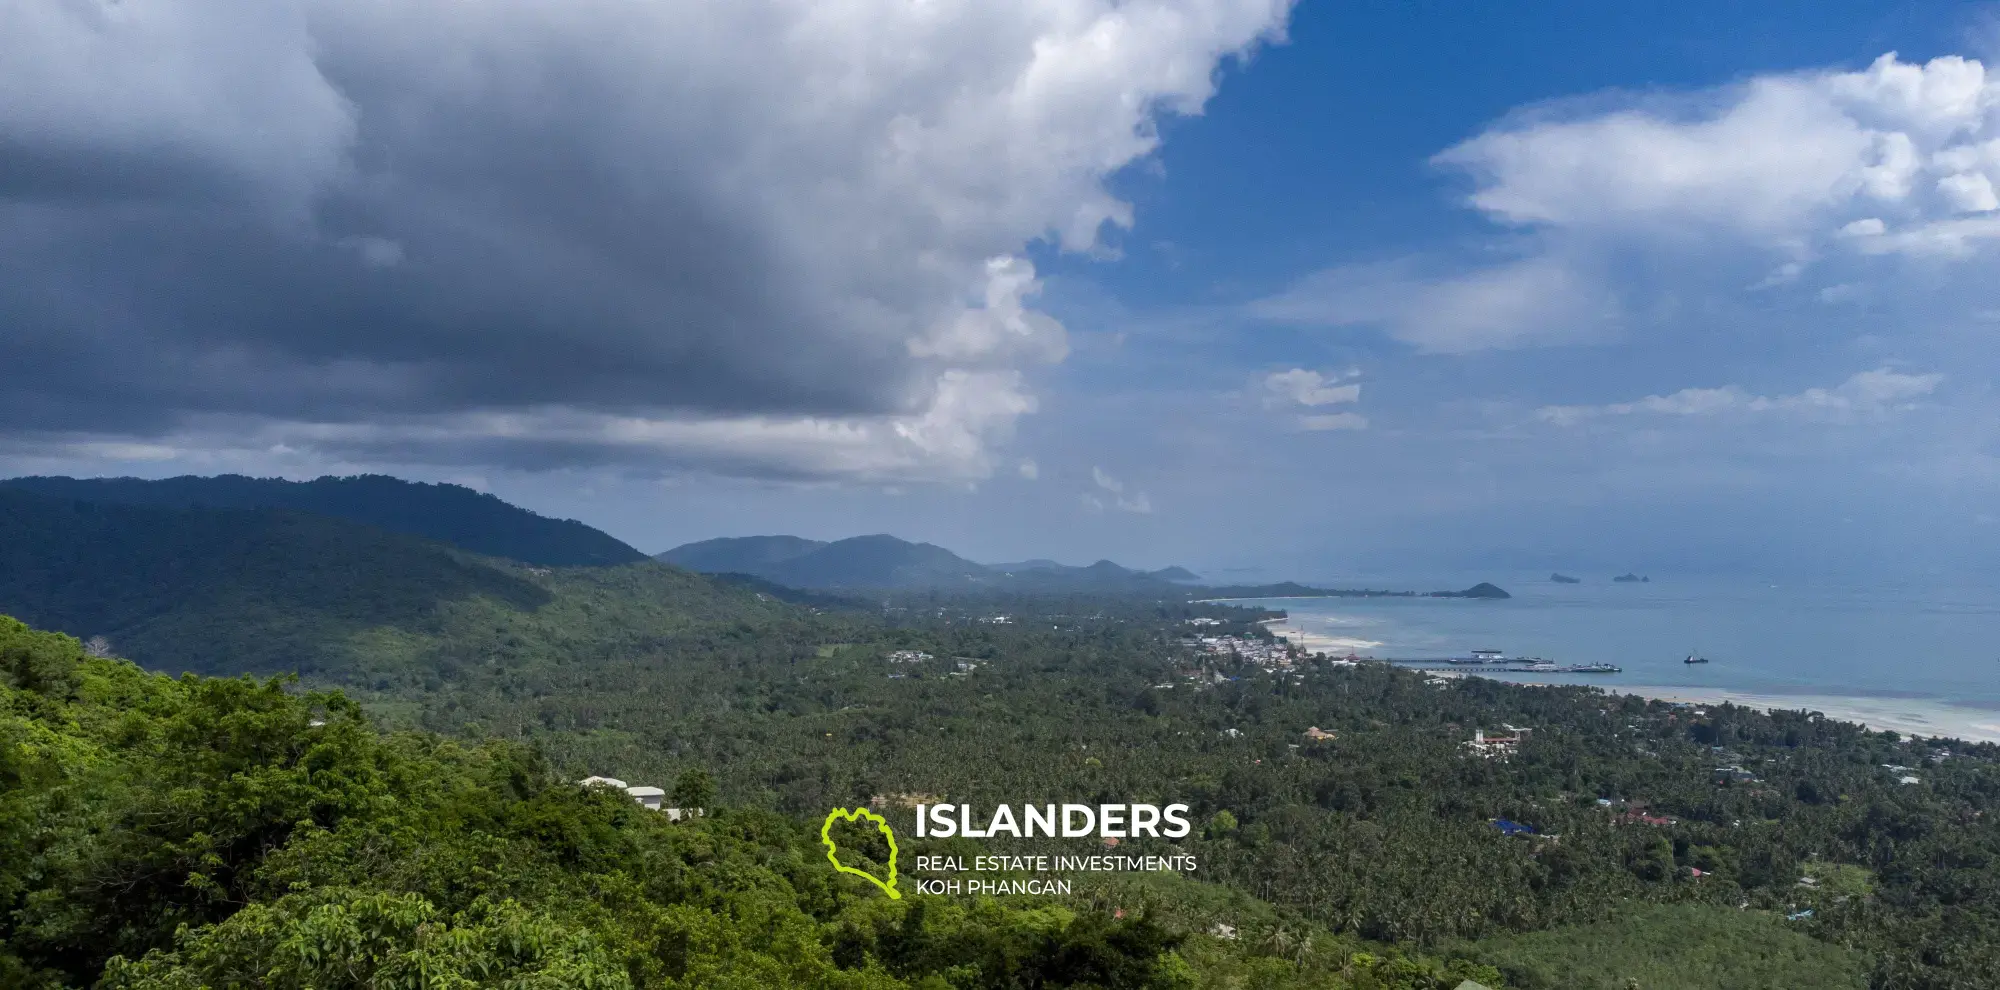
[1637, 817]
[648, 797]
[1499, 744]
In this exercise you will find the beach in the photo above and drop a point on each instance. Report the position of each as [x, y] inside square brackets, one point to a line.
[1910, 716]
[1914, 661]
[1332, 645]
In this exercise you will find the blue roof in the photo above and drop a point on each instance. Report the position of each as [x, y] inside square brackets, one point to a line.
[1512, 828]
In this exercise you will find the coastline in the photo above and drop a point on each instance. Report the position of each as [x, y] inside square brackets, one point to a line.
[1909, 716]
[1933, 715]
[1318, 642]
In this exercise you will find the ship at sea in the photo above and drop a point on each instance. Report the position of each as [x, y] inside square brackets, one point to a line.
[1695, 658]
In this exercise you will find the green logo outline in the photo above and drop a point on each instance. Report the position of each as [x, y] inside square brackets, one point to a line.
[826, 836]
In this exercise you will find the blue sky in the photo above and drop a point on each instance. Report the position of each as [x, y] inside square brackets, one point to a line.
[1336, 289]
[1315, 152]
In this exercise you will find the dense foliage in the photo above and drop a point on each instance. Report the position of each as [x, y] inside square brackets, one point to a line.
[449, 514]
[1666, 945]
[187, 833]
[209, 833]
[224, 590]
[1383, 833]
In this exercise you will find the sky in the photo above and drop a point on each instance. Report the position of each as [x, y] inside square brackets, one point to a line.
[1255, 287]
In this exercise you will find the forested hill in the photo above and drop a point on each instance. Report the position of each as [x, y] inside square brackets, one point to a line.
[232, 590]
[172, 834]
[449, 514]
[884, 561]
[879, 561]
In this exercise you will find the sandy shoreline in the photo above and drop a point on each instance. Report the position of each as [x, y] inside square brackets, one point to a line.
[1318, 642]
[1910, 716]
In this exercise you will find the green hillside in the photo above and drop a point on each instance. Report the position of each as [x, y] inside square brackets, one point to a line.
[1381, 826]
[1671, 946]
[739, 554]
[1337, 808]
[449, 514]
[174, 834]
[879, 561]
[218, 590]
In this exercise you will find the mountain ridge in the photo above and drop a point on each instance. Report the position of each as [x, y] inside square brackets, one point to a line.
[275, 590]
[884, 561]
[447, 513]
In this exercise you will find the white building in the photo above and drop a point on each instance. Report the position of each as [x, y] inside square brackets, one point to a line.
[652, 798]
[1497, 745]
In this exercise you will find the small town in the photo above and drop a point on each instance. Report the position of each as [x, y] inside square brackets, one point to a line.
[1275, 655]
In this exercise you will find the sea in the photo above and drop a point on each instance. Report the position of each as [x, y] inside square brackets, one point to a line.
[1934, 644]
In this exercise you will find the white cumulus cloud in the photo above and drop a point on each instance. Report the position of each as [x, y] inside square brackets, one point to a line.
[1778, 158]
[1621, 212]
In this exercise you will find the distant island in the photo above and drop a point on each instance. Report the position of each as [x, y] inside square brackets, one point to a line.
[1484, 589]
[1565, 579]
[1631, 579]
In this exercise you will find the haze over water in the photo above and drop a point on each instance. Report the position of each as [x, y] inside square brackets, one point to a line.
[1939, 644]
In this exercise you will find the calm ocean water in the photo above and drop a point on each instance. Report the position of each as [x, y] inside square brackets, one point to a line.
[1939, 644]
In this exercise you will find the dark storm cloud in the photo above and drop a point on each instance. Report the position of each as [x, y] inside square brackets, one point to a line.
[387, 222]
[481, 266]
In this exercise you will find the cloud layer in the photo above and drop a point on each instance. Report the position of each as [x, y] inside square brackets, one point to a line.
[1784, 160]
[1867, 394]
[1621, 212]
[773, 237]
